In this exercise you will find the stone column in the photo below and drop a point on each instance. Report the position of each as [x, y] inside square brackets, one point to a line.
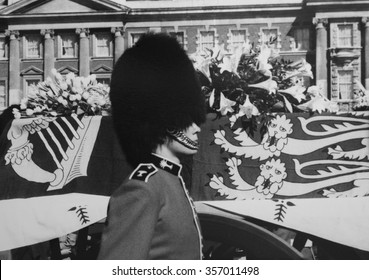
[118, 42]
[321, 65]
[84, 51]
[365, 20]
[48, 51]
[15, 93]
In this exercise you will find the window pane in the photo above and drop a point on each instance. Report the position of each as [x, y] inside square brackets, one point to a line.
[345, 81]
[104, 81]
[3, 103]
[68, 45]
[207, 40]
[345, 35]
[103, 44]
[135, 37]
[238, 37]
[31, 85]
[33, 46]
[2, 48]
[268, 35]
[302, 38]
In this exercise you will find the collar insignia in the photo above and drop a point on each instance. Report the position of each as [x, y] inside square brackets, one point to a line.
[143, 172]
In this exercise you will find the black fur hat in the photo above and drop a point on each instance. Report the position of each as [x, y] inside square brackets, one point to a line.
[154, 88]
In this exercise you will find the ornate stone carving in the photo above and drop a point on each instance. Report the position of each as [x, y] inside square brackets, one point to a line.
[118, 31]
[365, 21]
[47, 33]
[320, 22]
[12, 34]
[83, 32]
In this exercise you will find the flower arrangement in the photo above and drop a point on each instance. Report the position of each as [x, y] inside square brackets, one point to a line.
[59, 95]
[250, 83]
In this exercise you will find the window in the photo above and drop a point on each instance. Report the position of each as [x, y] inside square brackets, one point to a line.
[3, 95]
[103, 45]
[345, 35]
[179, 36]
[33, 46]
[68, 45]
[135, 37]
[103, 80]
[268, 35]
[31, 84]
[237, 38]
[345, 84]
[301, 36]
[3, 48]
[206, 40]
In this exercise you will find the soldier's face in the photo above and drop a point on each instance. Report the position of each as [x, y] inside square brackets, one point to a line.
[185, 142]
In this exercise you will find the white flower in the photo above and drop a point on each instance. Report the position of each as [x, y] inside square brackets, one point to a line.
[85, 95]
[296, 91]
[38, 109]
[72, 97]
[16, 113]
[263, 60]
[91, 100]
[70, 76]
[225, 105]
[50, 93]
[270, 85]
[248, 109]
[23, 103]
[101, 102]
[319, 104]
[85, 81]
[301, 68]
[93, 78]
[29, 112]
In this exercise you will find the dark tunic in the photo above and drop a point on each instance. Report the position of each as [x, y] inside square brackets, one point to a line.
[151, 216]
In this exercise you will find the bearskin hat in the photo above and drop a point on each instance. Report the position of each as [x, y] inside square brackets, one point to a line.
[154, 88]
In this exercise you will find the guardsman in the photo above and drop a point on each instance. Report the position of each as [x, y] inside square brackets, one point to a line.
[157, 109]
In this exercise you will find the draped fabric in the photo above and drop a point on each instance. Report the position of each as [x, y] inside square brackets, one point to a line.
[56, 177]
[307, 172]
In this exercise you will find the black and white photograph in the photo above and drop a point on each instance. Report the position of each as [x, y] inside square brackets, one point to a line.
[200, 130]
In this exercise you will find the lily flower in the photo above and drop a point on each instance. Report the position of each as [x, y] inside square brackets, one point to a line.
[296, 91]
[230, 63]
[270, 85]
[247, 109]
[301, 68]
[202, 64]
[263, 60]
[226, 104]
[319, 104]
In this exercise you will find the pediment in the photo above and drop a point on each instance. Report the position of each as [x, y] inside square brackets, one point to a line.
[32, 70]
[29, 7]
[67, 69]
[101, 69]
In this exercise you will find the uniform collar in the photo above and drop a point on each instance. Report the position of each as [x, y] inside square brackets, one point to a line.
[166, 164]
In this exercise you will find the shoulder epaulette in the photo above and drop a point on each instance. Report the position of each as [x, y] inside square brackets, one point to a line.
[143, 172]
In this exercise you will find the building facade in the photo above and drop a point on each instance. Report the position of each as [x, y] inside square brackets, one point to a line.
[88, 36]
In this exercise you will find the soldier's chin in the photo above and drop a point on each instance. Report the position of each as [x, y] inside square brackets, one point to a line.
[181, 138]
[189, 144]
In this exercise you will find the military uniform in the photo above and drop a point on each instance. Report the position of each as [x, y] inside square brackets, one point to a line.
[151, 216]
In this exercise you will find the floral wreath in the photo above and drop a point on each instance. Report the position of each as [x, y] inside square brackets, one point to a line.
[65, 95]
[250, 83]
